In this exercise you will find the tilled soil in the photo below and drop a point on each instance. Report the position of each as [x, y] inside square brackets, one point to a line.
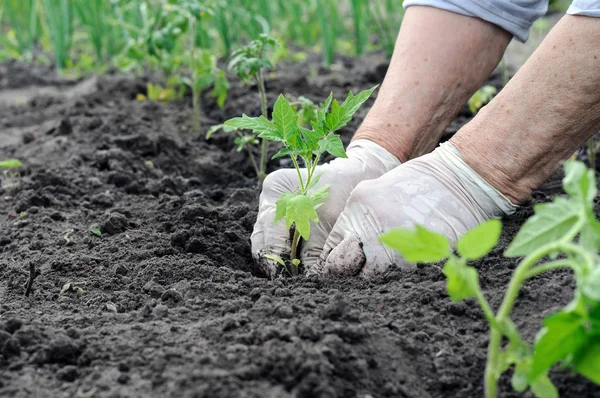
[170, 303]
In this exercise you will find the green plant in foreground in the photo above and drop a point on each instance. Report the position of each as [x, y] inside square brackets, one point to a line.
[250, 63]
[481, 97]
[308, 145]
[567, 234]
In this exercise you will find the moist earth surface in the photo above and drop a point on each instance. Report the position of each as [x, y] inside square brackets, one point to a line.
[138, 230]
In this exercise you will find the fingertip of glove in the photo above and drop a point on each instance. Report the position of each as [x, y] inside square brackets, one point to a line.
[346, 259]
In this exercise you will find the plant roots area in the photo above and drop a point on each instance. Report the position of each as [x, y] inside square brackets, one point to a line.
[139, 232]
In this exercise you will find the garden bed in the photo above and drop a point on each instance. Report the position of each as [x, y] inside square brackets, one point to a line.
[171, 303]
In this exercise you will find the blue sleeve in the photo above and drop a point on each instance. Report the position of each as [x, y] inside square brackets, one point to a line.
[514, 16]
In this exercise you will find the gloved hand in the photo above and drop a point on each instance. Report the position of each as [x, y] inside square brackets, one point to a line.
[366, 160]
[438, 191]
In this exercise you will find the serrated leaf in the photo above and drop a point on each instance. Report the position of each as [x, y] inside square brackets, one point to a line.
[332, 144]
[340, 115]
[563, 334]
[281, 206]
[418, 245]
[550, 222]
[10, 163]
[286, 121]
[480, 240]
[325, 106]
[310, 139]
[259, 125]
[283, 152]
[587, 361]
[299, 211]
[461, 279]
[579, 182]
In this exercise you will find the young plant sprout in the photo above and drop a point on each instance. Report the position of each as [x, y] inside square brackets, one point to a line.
[250, 63]
[481, 97]
[567, 233]
[304, 146]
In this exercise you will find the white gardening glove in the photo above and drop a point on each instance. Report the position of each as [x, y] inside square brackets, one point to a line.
[366, 160]
[438, 191]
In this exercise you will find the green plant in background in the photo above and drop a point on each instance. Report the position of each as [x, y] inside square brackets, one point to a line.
[304, 146]
[250, 63]
[481, 97]
[567, 234]
[21, 39]
[59, 20]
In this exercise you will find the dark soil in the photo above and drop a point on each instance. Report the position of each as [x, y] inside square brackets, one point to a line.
[171, 304]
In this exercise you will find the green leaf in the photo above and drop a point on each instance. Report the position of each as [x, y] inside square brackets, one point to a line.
[96, 231]
[10, 163]
[550, 222]
[562, 335]
[259, 125]
[542, 387]
[591, 284]
[418, 245]
[579, 182]
[587, 361]
[314, 180]
[275, 258]
[590, 234]
[325, 106]
[520, 375]
[310, 139]
[462, 279]
[281, 206]
[282, 152]
[286, 121]
[333, 144]
[244, 140]
[341, 115]
[211, 131]
[300, 211]
[480, 240]
[320, 194]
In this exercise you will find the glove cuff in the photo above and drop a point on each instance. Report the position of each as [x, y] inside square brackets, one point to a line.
[373, 152]
[492, 201]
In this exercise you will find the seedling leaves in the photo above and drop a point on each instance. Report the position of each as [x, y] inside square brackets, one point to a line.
[479, 241]
[579, 182]
[588, 360]
[260, 125]
[418, 245]
[286, 121]
[96, 231]
[550, 222]
[563, 334]
[462, 279]
[298, 210]
[340, 115]
[333, 144]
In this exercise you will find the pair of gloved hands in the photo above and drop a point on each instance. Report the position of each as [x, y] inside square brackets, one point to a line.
[370, 193]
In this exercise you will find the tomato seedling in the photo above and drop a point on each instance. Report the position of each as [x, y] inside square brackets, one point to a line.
[304, 146]
[566, 232]
[250, 63]
[481, 97]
